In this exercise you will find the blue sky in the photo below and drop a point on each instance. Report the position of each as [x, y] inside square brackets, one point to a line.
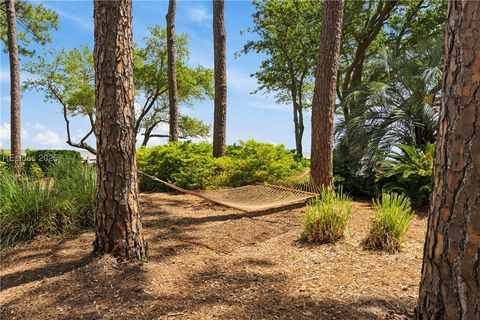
[249, 116]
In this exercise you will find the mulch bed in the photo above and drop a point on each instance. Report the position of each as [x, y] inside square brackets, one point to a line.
[208, 262]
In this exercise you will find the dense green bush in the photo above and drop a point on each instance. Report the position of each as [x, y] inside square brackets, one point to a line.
[63, 204]
[352, 175]
[28, 165]
[191, 165]
[391, 220]
[46, 158]
[409, 171]
[327, 217]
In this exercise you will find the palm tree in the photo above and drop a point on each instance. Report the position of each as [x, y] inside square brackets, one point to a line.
[399, 105]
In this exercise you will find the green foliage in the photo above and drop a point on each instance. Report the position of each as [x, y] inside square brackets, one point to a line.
[391, 220]
[391, 94]
[252, 162]
[67, 77]
[349, 173]
[75, 185]
[61, 205]
[409, 171]
[287, 33]
[4, 167]
[327, 217]
[193, 128]
[46, 158]
[191, 165]
[400, 106]
[29, 167]
[33, 24]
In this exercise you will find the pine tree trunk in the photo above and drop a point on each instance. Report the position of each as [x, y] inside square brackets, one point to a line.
[15, 133]
[298, 122]
[450, 284]
[323, 105]
[172, 70]
[220, 66]
[118, 226]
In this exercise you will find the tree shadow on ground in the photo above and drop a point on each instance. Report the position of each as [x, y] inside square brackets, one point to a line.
[124, 292]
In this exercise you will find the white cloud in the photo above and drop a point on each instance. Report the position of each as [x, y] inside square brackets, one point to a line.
[4, 131]
[24, 76]
[241, 81]
[38, 126]
[198, 14]
[5, 134]
[6, 99]
[47, 138]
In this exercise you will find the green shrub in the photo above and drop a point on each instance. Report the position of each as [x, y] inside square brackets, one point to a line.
[391, 220]
[256, 162]
[327, 217]
[75, 184]
[46, 158]
[60, 205]
[24, 206]
[28, 165]
[4, 166]
[352, 175]
[191, 165]
[32, 169]
[409, 171]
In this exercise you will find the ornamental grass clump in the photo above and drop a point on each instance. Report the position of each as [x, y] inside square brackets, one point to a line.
[61, 204]
[391, 220]
[327, 217]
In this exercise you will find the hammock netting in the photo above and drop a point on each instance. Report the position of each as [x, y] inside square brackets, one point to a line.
[254, 198]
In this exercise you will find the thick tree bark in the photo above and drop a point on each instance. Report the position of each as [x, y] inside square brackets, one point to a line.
[323, 105]
[220, 66]
[15, 133]
[172, 70]
[118, 226]
[450, 284]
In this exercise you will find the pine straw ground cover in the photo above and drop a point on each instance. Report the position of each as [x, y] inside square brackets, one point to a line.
[208, 262]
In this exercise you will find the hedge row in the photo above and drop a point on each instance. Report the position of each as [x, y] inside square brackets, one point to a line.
[191, 165]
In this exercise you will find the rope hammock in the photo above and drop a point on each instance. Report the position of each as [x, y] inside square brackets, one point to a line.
[253, 198]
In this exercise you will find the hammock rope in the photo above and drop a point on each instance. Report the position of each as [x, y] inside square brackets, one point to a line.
[253, 198]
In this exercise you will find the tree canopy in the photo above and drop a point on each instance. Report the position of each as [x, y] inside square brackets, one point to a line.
[34, 21]
[288, 34]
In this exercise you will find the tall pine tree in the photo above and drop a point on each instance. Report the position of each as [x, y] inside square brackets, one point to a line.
[450, 285]
[220, 66]
[323, 105]
[118, 227]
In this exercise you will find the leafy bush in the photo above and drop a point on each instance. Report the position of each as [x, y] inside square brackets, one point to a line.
[409, 171]
[391, 220]
[327, 217]
[350, 174]
[191, 165]
[46, 158]
[63, 204]
[32, 169]
[28, 165]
